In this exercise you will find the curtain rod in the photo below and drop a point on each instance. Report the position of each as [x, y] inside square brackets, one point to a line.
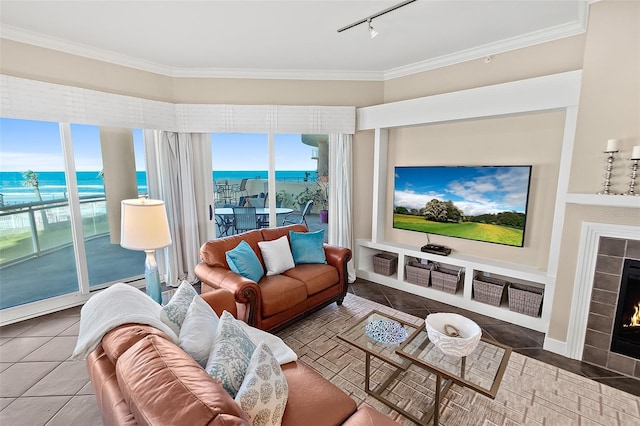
[368, 18]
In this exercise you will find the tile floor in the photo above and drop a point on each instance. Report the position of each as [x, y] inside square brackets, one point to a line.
[40, 385]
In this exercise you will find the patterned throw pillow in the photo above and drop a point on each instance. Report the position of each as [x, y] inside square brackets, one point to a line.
[264, 391]
[173, 313]
[230, 355]
[198, 330]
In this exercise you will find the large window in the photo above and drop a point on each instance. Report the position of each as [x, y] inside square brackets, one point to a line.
[100, 219]
[36, 251]
[241, 176]
[38, 204]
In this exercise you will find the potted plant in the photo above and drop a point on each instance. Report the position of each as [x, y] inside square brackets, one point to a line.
[282, 198]
[304, 197]
[320, 198]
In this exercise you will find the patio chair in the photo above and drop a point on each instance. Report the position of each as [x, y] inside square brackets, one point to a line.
[241, 190]
[224, 224]
[292, 217]
[244, 219]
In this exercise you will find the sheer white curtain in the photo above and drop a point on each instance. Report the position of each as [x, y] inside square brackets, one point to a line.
[174, 174]
[340, 194]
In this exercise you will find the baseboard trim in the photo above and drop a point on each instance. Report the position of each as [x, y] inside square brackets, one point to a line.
[555, 346]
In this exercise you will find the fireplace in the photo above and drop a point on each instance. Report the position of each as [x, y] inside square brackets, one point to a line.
[625, 338]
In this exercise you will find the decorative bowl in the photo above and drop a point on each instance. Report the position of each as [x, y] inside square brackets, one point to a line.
[453, 334]
[386, 331]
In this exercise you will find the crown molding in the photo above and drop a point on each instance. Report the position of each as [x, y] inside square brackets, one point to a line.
[514, 43]
[79, 49]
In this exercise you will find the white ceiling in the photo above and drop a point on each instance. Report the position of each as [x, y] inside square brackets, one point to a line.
[289, 39]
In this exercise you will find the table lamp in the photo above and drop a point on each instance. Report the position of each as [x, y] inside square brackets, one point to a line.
[145, 227]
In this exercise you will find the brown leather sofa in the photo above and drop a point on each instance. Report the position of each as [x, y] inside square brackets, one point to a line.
[278, 299]
[140, 377]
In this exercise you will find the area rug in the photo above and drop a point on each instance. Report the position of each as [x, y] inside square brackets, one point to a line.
[531, 393]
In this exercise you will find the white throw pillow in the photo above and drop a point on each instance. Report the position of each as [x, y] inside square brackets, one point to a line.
[277, 255]
[198, 330]
[173, 313]
[230, 355]
[264, 392]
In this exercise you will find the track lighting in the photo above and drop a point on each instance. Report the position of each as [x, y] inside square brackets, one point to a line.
[372, 32]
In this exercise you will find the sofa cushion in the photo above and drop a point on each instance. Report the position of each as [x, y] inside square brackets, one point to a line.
[120, 339]
[173, 313]
[243, 260]
[162, 385]
[263, 393]
[307, 247]
[213, 252]
[230, 355]
[198, 330]
[269, 234]
[313, 400]
[317, 277]
[280, 292]
[276, 255]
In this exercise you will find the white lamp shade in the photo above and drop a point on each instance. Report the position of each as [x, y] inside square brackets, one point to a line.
[144, 225]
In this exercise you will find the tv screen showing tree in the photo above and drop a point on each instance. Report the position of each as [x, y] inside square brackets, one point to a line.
[482, 203]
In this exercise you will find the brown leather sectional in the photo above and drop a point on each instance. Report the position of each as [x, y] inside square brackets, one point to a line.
[276, 300]
[141, 378]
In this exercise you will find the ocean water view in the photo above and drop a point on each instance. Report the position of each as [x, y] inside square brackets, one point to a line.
[52, 185]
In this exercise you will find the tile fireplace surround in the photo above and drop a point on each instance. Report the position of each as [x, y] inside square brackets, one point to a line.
[606, 284]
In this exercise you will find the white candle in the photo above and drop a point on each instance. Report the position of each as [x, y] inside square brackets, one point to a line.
[635, 154]
[612, 145]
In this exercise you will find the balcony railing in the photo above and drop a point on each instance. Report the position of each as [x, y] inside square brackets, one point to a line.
[31, 229]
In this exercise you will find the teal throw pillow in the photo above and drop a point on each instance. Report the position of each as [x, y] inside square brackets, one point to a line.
[243, 260]
[307, 247]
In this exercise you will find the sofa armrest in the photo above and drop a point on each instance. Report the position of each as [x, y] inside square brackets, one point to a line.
[244, 290]
[338, 258]
[221, 300]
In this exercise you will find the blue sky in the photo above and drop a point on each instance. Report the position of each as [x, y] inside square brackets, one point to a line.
[474, 190]
[35, 145]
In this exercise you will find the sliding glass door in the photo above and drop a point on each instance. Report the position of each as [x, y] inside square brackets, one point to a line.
[246, 166]
[40, 260]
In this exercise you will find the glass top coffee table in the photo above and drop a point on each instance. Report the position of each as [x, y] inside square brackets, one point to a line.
[481, 371]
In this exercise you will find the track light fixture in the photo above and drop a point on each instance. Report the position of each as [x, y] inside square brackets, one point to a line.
[368, 19]
[372, 32]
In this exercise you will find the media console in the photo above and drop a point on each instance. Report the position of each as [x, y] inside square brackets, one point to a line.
[471, 266]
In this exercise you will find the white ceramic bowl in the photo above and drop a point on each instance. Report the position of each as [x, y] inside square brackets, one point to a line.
[464, 344]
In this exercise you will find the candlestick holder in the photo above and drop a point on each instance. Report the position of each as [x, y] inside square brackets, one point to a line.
[633, 175]
[607, 176]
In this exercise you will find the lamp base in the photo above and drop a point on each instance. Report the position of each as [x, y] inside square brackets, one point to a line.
[152, 277]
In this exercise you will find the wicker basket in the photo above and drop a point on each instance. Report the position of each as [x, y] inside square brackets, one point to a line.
[418, 273]
[385, 264]
[445, 280]
[525, 299]
[488, 290]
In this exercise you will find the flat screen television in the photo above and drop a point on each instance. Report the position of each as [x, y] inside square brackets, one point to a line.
[481, 203]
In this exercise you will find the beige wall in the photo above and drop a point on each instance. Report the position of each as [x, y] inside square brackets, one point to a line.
[543, 59]
[277, 92]
[36, 63]
[608, 109]
[531, 139]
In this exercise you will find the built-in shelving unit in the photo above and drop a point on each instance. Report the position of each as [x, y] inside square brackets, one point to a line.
[553, 92]
[463, 298]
